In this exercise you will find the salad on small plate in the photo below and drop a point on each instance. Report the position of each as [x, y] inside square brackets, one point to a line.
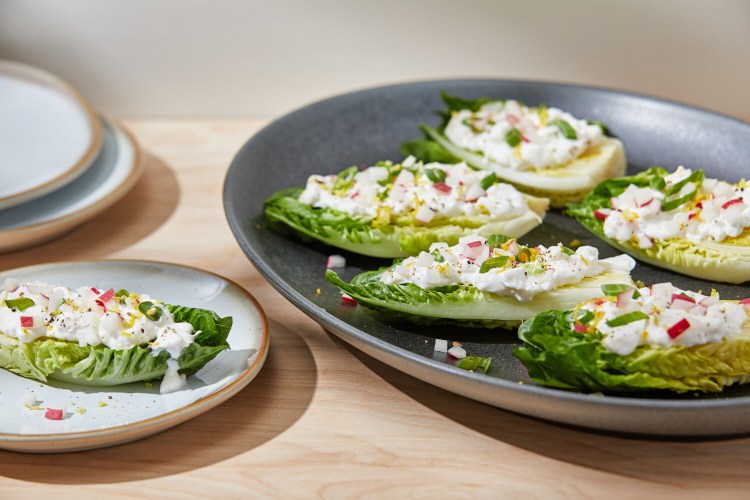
[399, 209]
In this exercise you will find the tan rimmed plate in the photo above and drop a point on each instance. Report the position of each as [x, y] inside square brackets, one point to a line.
[49, 134]
[110, 177]
[104, 416]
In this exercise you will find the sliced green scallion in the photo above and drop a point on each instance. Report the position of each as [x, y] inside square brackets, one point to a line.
[474, 362]
[435, 174]
[488, 181]
[513, 137]
[567, 130]
[150, 310]
[21, 304]
[627, 318]
[493, 263]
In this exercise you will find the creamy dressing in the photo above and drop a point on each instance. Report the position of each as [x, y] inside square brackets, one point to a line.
[392, 190]
[526, 273]
[541, 143]
[90, 317]
[718, 210]
[675, 317]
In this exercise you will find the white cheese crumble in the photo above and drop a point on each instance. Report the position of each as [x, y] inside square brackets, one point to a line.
[526, 272]
[718, 210]
[413, 189]
[673, 317]
[522, 138]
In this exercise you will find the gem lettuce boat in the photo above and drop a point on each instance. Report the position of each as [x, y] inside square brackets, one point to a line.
[92, 337]
[493, 282]
[657, 337]
[542, 151]
[679, 221]
[397, 210]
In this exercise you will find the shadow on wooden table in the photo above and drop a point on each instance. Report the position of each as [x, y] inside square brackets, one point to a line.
[140, 212]
[686, 462]
[259, 413]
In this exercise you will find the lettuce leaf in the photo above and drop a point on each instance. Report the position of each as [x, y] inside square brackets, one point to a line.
[561, 184]
[724, 262]
[463, 304]
[400, 238]
[48, 358]
[557, 356]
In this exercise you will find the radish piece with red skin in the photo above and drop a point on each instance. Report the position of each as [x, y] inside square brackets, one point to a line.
[600, 215]
[27, 321]
[108, 295]
[442, 187]
[347, 300]
[94, 289]
[731, 202]
[580, 328]
[335, 261]
[625, 297]
[675, 330]
[457, 352]
[53, 414]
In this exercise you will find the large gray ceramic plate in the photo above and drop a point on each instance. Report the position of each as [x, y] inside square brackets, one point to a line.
[367, 126]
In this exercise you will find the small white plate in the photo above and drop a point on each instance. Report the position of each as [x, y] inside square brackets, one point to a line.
[49, 134]
[103, 416]
[115, 171]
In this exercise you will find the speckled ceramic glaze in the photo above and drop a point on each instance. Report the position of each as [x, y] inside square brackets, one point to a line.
[103, 416]
[367, 126]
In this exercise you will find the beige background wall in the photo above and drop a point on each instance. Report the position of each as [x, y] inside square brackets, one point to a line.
[261, 58]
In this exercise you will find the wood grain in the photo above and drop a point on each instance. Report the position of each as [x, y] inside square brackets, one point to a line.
[322, 419]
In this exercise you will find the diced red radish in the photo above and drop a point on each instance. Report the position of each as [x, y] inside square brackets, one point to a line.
[662, 290]
[442, 187]
[746, 303]
[424, 214]
[354, 195]
[457, 352]
[647, 203]
[335, 261]
[580, 328]
[27, 321]
[53, 414]
[644, 241]
[441, 345]
[473, 193]
[624, 298]
[108, 295]
[682, 305]
[347, 300]
[473, 250]
[709, 301]
[731, 202]
[512, 247]
[615, 202]
[601, 214]
[93, 289]
[692, 215]
[642, 198]
[679, 296]
[675, 330]
[101, 304]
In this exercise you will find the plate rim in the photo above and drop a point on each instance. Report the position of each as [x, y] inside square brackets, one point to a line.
[381, 349]
[156, 423]
[39, 232]
[69, 174]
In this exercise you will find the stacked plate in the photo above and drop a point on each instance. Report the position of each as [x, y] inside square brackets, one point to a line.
[60, 162]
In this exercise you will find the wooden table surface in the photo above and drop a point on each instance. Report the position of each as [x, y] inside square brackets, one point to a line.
[322, 419]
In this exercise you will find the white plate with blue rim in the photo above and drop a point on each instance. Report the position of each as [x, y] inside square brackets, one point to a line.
[95, 417]
[115, 171]
[49, 134]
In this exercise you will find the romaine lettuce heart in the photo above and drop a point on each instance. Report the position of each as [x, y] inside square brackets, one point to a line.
[556, 356]
[714, 261]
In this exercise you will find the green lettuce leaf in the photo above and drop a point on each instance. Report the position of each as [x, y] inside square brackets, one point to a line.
[463, 304]
[101, 366]
[562, 184]
[706, 260]
[556, 356]
[398, 239]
